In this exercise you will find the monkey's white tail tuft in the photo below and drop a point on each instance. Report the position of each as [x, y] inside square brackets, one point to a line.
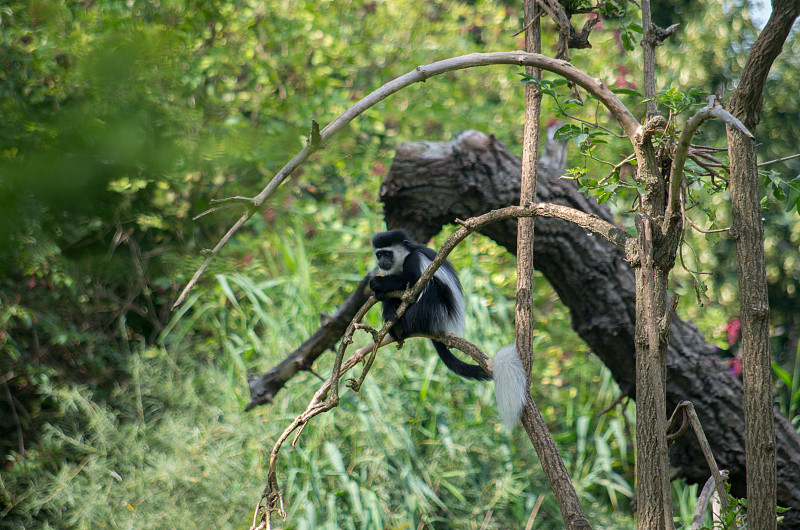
[510, 385]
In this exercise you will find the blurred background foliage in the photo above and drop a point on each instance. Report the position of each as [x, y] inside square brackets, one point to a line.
[121, 119]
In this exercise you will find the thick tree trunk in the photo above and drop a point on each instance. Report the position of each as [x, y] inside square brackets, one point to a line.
[431, 184]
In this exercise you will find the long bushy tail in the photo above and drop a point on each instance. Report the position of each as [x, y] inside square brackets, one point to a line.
[510, 385]
[459, 367]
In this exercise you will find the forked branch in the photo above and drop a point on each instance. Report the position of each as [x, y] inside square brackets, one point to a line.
[712, 110]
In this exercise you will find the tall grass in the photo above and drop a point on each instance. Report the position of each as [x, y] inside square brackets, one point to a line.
[169, 448]
[172, 448]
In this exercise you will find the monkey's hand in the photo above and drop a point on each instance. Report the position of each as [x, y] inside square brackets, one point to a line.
[379, 293]
[381, 285]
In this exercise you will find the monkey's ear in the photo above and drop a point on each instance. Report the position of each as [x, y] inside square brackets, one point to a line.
[408, 244]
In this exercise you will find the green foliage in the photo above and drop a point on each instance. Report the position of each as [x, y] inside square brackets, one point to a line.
[684, 501]
[122, 118]
[788, 389]
[416, 444]
[145, 456]
[732, 516]
[627, 36]
[678, 101]
[785, 192]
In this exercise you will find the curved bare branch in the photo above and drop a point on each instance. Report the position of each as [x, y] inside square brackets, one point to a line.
[318, 139]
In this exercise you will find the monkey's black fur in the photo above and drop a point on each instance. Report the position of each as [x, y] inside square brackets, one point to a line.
[440, 307]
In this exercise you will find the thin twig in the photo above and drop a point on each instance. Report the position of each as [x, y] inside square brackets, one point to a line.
[622, 395]
[708, 147]
[528, 25]
[715, 161]
[702, 231]
[616, 168]
[707, 167]
[784, 159]
[224, 204]
[694, 421]
[693, 225]
[593, 124]
[707, 493]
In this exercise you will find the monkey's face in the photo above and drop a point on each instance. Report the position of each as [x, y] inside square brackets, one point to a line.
[390, 259]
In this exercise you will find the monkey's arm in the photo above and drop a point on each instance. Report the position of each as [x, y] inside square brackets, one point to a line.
[381, 285]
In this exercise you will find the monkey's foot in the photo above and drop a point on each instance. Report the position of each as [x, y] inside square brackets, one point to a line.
[369, 329]
[353, 383]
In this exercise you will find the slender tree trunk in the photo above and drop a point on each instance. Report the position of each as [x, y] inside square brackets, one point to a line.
[530, 159]
[552, 464]
[748, 232]
[656, 259]
[654, 500]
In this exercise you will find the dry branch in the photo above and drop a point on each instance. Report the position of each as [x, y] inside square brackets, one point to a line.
[689, 417]
[707, 493]
[327, 396]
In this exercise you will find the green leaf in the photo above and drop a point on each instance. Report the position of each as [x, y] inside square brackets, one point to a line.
[529, 79]
[783, 375]
[580, 138]
[626, 91]
[627, 41]
[567, 132]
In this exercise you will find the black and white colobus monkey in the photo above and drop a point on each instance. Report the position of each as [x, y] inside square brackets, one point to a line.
[439, 309]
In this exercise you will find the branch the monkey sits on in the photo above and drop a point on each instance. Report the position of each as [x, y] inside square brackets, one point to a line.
[439, 309]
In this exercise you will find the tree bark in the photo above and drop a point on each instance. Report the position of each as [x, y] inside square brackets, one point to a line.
[431, 183]
[532, 420]
[652, 278]
[748, 231]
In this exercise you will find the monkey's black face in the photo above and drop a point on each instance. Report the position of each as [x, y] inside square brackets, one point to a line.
[390, 259]
[385, 259]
